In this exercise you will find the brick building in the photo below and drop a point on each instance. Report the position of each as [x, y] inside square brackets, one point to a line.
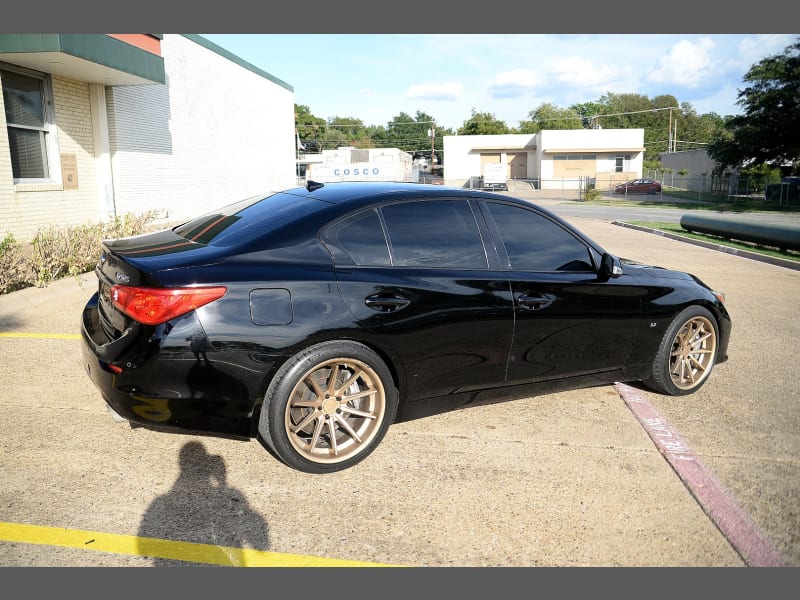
[98, 125]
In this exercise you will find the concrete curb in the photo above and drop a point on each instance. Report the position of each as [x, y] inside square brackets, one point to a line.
[779, 262]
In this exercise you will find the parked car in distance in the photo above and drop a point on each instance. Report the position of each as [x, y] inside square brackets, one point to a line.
[308, 318]
[639, 186]
[786, 192]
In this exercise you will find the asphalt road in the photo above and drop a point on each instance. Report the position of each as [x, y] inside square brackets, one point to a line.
[617, 209]
[559, 479]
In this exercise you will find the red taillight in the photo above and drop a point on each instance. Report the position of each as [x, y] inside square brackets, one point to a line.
[153, 306]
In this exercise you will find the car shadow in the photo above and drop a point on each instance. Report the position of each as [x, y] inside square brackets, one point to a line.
[201, 508]
[428, 407]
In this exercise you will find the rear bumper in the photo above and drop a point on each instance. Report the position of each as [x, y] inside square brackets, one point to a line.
[96, 358]
[94, 337]
[173, 390]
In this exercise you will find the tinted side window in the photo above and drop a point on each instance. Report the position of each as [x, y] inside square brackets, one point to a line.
[361, 236]
[534, 243]
[434, 233]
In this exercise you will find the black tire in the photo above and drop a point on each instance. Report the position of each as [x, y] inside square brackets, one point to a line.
[328, 407]
[686, 354]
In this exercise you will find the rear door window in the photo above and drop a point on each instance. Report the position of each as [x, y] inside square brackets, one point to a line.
[361, 237]
[434, 234]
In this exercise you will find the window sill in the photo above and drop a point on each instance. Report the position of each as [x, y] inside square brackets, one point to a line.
[38, 187]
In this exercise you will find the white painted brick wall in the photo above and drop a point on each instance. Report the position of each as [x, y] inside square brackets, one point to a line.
[214, 134]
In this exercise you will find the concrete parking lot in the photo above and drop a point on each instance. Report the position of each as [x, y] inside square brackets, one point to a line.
[559, 479]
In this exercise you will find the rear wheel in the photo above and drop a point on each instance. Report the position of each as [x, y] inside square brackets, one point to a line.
[328, 407]
[686, 354]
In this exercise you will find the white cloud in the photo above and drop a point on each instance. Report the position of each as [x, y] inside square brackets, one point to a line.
[754, 49]
[435, 91]
[686, 64]
[579, 72]
[512, 84]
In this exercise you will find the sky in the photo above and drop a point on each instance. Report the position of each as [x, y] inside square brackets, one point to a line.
[376, 77]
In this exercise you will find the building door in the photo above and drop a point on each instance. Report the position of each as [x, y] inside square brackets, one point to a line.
[518, 166]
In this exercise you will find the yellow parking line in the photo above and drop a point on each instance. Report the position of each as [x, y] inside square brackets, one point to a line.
[47, 336]
[156, 548]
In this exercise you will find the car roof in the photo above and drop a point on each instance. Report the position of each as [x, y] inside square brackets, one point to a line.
[362, 192]
[352, 195]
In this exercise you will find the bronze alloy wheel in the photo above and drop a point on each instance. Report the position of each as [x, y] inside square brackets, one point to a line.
[335, 410]
[693, 350]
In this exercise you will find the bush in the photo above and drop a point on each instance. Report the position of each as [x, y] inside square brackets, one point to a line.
[16, 270]
[591, 194]
[57, 252]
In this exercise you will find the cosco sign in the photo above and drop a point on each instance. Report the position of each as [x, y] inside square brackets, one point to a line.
[356, 171]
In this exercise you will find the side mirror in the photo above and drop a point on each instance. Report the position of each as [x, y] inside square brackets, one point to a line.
[609, 267]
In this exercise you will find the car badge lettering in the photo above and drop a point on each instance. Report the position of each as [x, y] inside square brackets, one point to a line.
[122, 277]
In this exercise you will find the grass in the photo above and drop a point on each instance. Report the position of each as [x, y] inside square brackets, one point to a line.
[676, 229]
[682, 199]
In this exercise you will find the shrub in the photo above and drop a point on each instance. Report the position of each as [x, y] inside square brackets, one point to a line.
[16, 271]
[59, 251]
[592, 194]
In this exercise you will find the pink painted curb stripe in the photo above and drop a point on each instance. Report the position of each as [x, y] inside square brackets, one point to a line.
[742, 533]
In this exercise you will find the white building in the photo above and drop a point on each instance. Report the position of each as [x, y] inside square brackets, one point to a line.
[689, 169]
[98, 125]
[549, 159]
[368, 164]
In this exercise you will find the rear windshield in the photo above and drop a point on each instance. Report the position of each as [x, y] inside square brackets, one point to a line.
[248, 219]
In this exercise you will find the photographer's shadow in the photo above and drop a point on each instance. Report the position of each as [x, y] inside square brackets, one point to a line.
[202, 509]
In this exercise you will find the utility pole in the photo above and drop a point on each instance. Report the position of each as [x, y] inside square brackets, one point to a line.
[669, 142]
[675, 136]
[432, 133]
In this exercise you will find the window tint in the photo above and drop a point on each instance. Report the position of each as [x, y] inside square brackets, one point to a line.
[434, 233]
[249, 219]
[534, 243]
[361, 236]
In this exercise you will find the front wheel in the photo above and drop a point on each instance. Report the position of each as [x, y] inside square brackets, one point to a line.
[328, 407]
[686, 354]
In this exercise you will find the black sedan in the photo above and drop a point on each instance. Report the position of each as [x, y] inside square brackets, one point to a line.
[308, 318]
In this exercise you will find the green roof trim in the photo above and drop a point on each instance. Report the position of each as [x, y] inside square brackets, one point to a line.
[198, 39]
[94, 47]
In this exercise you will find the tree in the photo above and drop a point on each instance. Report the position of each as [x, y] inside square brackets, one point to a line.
[483, 124]
[696, 131]
[333, 138]
[549, 116]
[587, 112]
[410, 134]
[309, 128]
[413, 135]
[346, 131]
[769, 130]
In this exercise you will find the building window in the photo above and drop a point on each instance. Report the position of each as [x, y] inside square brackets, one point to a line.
[622, 163]
[26, 100]
[574, 157]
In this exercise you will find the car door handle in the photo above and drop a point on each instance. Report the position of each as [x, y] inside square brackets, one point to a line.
[386, 303]
[535, 302]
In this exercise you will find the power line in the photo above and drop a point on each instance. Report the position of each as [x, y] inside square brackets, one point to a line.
[632, 112]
